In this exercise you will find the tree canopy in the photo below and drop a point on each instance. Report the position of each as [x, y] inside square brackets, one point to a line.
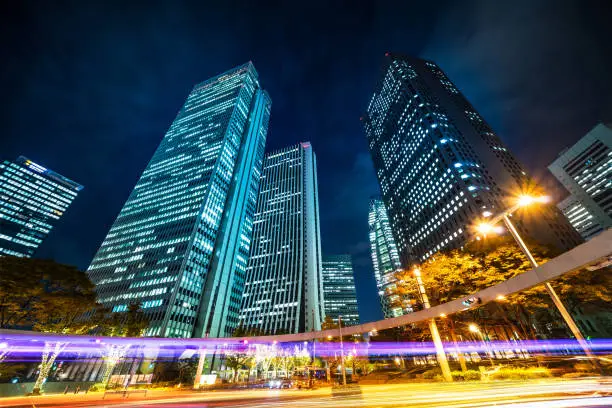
[47, 296]
[480, 264]
[44, 295]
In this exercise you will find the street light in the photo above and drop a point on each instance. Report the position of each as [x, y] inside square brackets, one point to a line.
[475, 329]
[523, 201]
[341, 350]
[433, 328]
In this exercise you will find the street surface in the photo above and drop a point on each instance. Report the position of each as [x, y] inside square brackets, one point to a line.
[533, 394]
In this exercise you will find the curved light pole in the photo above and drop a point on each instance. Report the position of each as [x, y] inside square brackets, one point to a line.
[488, 227]
[433, 328]
[341, 350]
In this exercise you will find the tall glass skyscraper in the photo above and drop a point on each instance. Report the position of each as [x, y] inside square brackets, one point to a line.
[32, 200]
[339, 289]
[585, 169]
[180, 245]
[440, 165]
[385, 260]
[283, 292]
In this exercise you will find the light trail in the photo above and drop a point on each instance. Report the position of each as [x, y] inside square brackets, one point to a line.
[539, 394]
[30, 348]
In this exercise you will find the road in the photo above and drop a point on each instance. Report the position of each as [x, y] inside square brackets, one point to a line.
[536, 394]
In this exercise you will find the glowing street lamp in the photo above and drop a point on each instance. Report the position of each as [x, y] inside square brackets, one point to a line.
[524, 201]
[501, 298]
[475, 329]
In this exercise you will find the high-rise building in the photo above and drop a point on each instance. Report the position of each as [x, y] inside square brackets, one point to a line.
[32, 200]
[283, 290]
[339, 289]
[385, 260]
[585, 169]
[440, 165]
[180, 245]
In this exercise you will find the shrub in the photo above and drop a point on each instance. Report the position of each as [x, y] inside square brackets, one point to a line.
[521, 373]
[431, 374]
[577, 375]
[469, 375]
[583, 367]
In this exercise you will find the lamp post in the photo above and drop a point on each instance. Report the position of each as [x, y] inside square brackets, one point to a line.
[475, 329]
[341, 351]
[433, 328]
[488, 227]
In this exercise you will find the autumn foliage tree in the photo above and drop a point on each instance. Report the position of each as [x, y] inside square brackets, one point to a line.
[480, 264]
[44, 295]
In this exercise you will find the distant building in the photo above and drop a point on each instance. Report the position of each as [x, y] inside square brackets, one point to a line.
[339, 289]
[283, 290]
[180, 245]
[585, 169]
[32, 200]
[440, 165]
[385, 260]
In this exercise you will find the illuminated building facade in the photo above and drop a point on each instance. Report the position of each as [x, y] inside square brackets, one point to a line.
[283, 292]
[180, 245]
[339, 289]
[585, 169]
[440, 165]
[32, 200]
[385, 260]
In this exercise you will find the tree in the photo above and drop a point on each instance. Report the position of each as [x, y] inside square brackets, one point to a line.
[586, 289]
[457, 273]
[131, 323]
[239, 361]
[245, 331]
[264, 356]
[44, 295]
[329, 323]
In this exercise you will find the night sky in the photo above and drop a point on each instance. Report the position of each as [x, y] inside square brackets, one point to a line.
[89, 88]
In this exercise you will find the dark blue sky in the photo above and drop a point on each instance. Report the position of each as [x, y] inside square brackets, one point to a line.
[89, 89]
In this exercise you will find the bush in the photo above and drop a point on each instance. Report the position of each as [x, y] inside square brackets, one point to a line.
[521, 373]
[469, 375]
[578, 374]
[431, 374]
[583, 367]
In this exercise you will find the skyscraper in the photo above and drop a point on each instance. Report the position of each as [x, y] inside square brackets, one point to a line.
[385, 260]
[585, 169]
[339, 289]
[283, 290]
[32, 200]
[180, 245]
[440, 165]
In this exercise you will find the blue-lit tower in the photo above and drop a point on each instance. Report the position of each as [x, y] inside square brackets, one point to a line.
[339, 289]
[440, 165]
[284, 289]
[180, 245]
[385, 260]
[32, 200]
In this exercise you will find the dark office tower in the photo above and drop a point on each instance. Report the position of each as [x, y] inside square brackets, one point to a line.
[585, 169]
[440, 166]
[32, 200]
[385, 260]
[180, 245]
[339, 289]
[283, 290]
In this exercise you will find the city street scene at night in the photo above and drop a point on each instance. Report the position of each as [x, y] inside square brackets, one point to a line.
[306, 204]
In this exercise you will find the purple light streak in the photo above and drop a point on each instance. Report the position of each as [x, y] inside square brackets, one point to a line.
[29, 347]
